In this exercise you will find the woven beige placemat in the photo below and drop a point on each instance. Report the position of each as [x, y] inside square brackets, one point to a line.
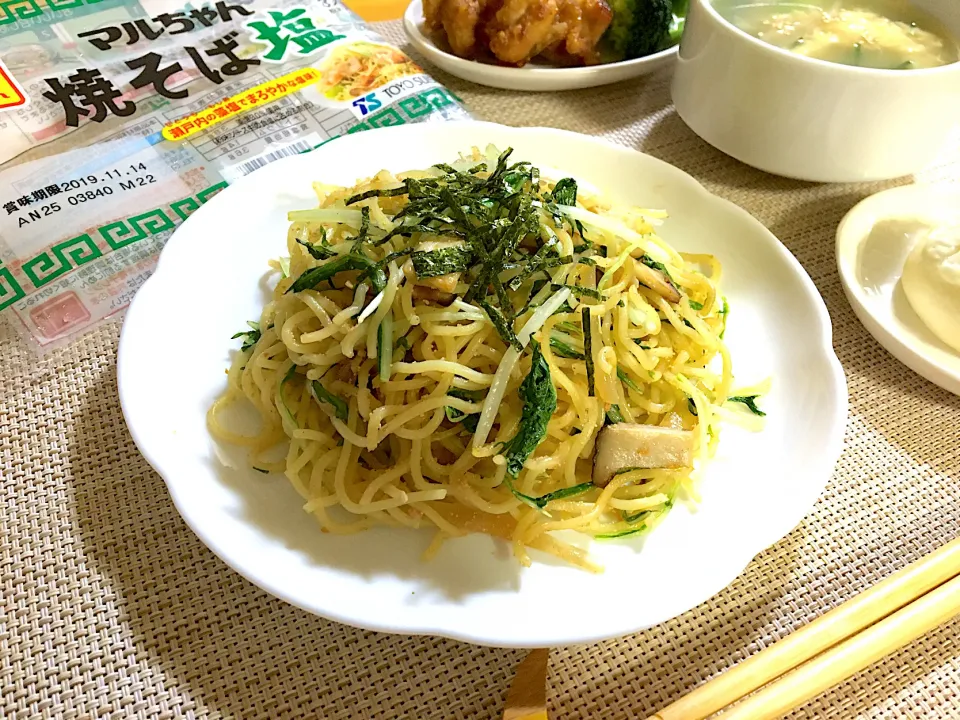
[112, 608]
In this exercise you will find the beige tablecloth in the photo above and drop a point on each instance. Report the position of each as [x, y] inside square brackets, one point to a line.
[112, 608]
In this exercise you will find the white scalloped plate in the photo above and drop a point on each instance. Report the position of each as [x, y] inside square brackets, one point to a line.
[175, 347]
[534, 76]
[873, 242]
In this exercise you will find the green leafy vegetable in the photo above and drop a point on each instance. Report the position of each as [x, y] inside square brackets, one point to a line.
[284, 408]
[653, 264]
[695, 305]
[626, 380]
[750, 401]
[563, 309]
[443, 261]
[261, 470]
[364, 233]
[614, 415]
[622, 533]
[563, 350]
[541, 502]
[322, 395]
[634, 517]
[454, 415]
[250, 337]
[343, 263]
[320, 251]
[692, 407]
[569, 328]
[565, 192]
[539, 403]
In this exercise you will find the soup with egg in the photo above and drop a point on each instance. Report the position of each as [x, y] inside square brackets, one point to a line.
[883, 34]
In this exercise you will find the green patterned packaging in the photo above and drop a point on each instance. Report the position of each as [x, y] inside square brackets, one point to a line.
[119, 118]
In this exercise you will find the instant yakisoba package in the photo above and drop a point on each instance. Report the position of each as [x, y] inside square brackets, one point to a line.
[120, 118]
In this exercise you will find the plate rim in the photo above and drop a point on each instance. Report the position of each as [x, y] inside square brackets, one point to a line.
[892, 340]
[473, 635]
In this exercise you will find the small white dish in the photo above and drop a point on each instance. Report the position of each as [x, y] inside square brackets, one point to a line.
[809, 119]
[176, 345]
[533, 77]
[873, 241]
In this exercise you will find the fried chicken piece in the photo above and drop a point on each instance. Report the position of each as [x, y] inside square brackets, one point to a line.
[459, 20]
[522, 29]
[516, 31]
[586, 21]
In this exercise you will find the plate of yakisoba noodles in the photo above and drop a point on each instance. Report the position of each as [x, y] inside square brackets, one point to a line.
[518, 387]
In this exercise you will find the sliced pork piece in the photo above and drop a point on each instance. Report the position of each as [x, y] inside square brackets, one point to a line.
[624, 446]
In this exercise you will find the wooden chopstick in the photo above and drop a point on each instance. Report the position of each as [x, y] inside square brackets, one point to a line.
[882, 600]
[851, 656]
[527, 699]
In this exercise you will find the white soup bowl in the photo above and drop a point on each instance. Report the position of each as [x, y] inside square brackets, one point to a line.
[810, 119]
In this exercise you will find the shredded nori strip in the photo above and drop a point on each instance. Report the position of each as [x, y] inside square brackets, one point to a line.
[579, 292]
[442, 261]
[587, 348]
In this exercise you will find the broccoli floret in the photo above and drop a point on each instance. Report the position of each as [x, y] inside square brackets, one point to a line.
[639, 27]
[680, 8]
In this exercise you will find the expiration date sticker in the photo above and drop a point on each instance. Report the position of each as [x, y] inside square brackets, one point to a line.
[46, 199]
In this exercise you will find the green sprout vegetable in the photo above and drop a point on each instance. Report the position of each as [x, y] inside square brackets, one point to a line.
[322, 395]
[250, 337]
[541, 502]
[750, 401]
[614, 415]
[564, 350]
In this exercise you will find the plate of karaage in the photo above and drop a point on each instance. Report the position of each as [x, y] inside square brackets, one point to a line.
[546, 45]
